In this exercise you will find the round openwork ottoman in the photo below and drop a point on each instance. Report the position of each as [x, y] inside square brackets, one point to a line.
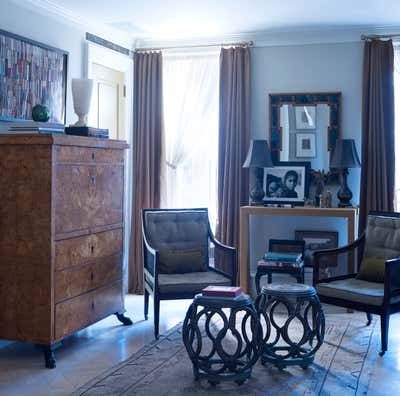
[222, 336]
[294, 324]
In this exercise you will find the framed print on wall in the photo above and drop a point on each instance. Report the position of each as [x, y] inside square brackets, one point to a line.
[31, 73]
[286, 183]
[305, 117]
[305, 145]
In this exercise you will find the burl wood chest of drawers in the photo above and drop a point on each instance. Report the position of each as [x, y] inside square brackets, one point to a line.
[61, 236]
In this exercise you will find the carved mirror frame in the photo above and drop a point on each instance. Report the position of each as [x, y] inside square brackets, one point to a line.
[332, 99]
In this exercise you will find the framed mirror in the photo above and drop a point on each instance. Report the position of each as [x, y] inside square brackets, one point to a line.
[305, 127]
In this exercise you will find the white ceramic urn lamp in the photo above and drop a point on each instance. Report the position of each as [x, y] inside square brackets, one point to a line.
[82, 94]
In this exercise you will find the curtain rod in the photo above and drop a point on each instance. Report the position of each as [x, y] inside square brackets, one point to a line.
[378, 36]
[237, 44]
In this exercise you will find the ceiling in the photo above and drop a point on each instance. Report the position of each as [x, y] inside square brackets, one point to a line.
[201, 18]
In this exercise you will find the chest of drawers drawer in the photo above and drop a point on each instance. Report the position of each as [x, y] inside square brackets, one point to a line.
[80, 250]
[77, 313]
[74, 281]
[88, 155]
[87, 197]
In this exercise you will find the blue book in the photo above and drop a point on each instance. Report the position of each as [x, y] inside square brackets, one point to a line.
[282, 257]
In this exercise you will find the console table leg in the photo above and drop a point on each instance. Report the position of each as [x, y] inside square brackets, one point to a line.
[123, 319]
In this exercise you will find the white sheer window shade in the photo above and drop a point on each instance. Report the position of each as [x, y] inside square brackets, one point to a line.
[190, 95]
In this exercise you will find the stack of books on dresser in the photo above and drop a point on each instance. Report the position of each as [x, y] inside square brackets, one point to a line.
[276, 259]
[34, 127]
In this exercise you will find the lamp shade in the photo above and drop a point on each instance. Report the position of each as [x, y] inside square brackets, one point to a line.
[258, 155]
[345, 155]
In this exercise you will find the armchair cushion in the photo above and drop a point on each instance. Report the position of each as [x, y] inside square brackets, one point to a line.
[357, 290]
[372, 269]
[192, 282]
[181, 261]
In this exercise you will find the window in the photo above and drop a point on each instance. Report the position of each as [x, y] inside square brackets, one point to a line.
[190, 158]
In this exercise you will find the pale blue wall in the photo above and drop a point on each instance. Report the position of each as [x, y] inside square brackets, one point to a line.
[305, 68]
[310, 68]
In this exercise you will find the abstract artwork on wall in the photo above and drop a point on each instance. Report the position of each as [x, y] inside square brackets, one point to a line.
[31, 73]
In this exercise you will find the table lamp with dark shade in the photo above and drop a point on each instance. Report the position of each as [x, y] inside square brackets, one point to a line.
[344, 156]
[258, 158]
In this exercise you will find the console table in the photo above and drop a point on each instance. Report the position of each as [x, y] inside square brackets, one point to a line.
[245, 211]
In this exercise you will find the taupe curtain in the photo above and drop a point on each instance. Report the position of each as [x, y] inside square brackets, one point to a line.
[378, 163]
[146, 148]
[234, 138]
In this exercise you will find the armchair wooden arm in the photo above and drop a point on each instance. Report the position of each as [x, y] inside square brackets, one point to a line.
[343, 261]
[225, 259]
[391, 279]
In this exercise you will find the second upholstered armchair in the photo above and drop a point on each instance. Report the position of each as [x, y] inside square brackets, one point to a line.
[181, 257]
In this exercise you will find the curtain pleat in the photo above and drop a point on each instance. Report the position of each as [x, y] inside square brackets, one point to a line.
[234, 138]
[146, 149]
[378, 153]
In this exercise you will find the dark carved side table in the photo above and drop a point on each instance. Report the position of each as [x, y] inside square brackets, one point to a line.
[222, 337]
[294, 338]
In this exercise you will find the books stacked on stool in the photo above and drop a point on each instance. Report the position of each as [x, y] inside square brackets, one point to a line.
[283, 263]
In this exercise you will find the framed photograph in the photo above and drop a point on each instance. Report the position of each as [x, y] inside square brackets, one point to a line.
[317, 240]
[286, 183]
[305, 117]
[31, 73]
[305, 145]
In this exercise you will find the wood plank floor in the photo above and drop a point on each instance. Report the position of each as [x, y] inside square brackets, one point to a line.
[101, 346]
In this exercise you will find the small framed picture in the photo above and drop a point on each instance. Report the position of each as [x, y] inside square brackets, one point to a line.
[305, 145]
[317, 240]
[305, 117]
[287, 183]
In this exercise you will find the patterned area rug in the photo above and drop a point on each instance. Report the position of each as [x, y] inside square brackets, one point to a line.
[163, 368]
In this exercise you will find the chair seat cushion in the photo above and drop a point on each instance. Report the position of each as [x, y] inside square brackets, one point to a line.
[192, 282]
[355, 290]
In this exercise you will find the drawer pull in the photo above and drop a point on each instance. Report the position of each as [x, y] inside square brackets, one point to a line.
[93, 156]
[92, 249]
[91, 276]
[93, 179]
[93, 305]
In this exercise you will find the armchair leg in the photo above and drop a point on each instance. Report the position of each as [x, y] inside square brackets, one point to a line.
[257, 282]
[146, 304]
[156, 316]
[369, 318]
[384, 332]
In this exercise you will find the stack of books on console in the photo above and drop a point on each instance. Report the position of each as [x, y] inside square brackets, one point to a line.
[35, 127]
[223, 292]
[276, 259]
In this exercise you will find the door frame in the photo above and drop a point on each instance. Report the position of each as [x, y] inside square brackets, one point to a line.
[104, 56]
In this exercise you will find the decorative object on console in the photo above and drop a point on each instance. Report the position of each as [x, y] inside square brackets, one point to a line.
[40, 113]
[82, 94]
[87, 131]
[305, 145]
[345, 156]
[316, 240]
[305, 117]
[258, 157]
[287, 183]
[40, 77]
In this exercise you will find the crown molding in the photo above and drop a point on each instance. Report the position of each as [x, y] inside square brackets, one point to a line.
[327, 35]
[62, 14]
